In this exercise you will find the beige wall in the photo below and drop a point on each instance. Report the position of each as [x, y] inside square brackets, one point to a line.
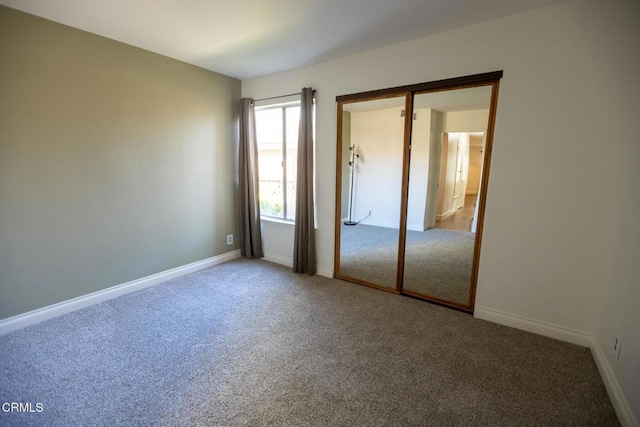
[378, 136]
[568, 106]
[620, 315]
[115, 163]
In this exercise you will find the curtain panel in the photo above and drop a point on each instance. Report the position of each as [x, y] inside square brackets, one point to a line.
[304, 249]
[250, 232]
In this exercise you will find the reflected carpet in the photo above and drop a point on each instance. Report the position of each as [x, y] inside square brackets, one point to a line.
[437, 261]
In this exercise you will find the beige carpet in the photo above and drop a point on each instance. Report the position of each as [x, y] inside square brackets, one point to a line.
[251, 343]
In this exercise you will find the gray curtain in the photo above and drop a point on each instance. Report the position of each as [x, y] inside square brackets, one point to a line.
[250, 233]
[304, 247]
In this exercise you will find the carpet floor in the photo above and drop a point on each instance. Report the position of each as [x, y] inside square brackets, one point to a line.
[250, 343]
[437, 261]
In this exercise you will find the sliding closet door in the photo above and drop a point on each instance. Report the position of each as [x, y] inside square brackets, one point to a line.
[440, 239]
[412, 175]
[371, 168]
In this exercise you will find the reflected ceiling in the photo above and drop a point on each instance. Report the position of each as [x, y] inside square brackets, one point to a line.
[475, 98]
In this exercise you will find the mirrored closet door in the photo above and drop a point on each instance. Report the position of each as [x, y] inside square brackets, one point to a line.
[412, 174]
[372, 151]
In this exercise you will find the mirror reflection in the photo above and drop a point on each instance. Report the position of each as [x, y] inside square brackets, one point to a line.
[372, 158]
[444, 171]
[448, 137]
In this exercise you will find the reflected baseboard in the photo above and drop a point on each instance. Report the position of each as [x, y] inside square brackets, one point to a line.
[393, 225]
[445, 215]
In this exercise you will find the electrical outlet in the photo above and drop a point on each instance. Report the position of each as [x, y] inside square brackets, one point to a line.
[617, 343]
[229, 239]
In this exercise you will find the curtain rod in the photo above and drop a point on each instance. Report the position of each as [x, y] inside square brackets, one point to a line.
[281, 96]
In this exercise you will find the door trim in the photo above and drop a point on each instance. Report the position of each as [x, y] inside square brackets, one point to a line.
[409, 91]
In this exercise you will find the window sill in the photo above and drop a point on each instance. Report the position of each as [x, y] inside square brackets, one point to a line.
[271, 219]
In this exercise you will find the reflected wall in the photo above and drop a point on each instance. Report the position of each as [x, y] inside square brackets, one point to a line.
[372, 160]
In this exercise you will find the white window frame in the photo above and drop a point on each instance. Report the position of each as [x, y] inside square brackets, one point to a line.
[283, 106]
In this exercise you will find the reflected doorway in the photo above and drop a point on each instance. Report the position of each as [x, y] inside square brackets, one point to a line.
[461, 170]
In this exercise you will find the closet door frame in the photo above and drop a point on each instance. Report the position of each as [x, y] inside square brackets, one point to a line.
[367, 96]
[409, 92]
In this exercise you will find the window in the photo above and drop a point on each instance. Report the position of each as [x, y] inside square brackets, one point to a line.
[277, 137]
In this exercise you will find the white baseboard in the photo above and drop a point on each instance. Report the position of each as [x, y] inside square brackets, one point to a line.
[288, 262]
[324, 272]
[277, 259]
[620, 404]
[36, 316]
[531, 325]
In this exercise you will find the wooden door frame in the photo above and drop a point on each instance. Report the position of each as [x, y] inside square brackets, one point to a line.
[485, 79]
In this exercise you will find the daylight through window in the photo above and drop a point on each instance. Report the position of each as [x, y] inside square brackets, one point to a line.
[277, 137]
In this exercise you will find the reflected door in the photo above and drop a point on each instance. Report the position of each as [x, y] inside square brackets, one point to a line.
[371, 161]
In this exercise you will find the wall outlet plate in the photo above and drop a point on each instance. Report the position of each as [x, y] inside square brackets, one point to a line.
[617, 343]
[229, 239]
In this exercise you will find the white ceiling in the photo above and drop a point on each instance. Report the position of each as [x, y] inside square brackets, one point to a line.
[248, 38]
